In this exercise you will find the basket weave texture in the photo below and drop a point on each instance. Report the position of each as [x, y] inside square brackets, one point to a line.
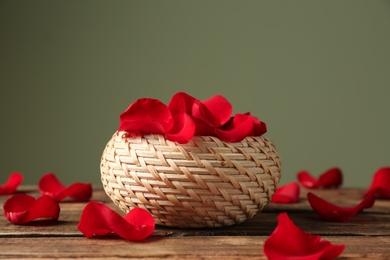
[204, 183]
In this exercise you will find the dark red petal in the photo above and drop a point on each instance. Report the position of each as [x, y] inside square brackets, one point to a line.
[290, 242]
[332, 178]
[51, 186]
[146, 115]
[260, 127]
[98, 219]
[380, 185]
[239, 127]
[331, 212]
[219, 108]
[23, 208]
[183, 129]
[288, 193]
[10, 186]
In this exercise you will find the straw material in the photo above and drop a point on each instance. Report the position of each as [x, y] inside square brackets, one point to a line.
[205, 183]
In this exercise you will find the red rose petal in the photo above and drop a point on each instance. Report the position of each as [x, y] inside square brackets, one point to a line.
[288, 193]
[239, 127]
[50, 185]
[147, 116]
[380, 185]
[23, 208]
[10, 186]
[332, 178]
[183, 129]
[332, 212]
[290, 242]
[219, 108]
[183, 102]
[260, 127]
[98, 220]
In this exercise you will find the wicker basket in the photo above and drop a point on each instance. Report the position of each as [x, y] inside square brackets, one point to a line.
[205, 183]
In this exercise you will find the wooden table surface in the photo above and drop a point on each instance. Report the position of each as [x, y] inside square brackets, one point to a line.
[366, 236]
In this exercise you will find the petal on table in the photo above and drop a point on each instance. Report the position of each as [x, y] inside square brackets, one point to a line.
[23, 208]
[332, 178]
[331, 212]
[380, 184]
[290, 242]
[10, 186]
[51, 186]
[97, 219]
[288, 193]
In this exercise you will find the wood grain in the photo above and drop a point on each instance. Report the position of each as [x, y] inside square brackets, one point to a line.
[367, 235]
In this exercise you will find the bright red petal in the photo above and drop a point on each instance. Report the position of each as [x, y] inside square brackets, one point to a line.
[10, 186]
[288, 193]
[332, 178]
[380, 185]
[331, 212]
[290, 242]
[213, 112]
[142, 221]
[183, 129]
[98, 220]
[182, 102]
[239, 127]
[22, 208]
[146, 115]
[51, 186]
[260, 127]
[219, 108]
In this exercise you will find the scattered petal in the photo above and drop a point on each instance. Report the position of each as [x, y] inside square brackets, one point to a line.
[380, 185]
[23, 208]
[332, 178]
[290, 242]
[97, 219]
[10, 186]
[288, 193]
[331, 212]
[51, 186]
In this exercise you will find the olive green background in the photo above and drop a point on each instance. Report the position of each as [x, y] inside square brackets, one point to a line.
[317, 72]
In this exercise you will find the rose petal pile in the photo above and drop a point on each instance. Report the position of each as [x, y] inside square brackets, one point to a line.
[185, 117]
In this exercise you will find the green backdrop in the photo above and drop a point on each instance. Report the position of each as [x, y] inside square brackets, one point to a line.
[317, 72]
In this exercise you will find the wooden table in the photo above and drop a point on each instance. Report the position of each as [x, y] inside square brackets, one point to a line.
[366, 236]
